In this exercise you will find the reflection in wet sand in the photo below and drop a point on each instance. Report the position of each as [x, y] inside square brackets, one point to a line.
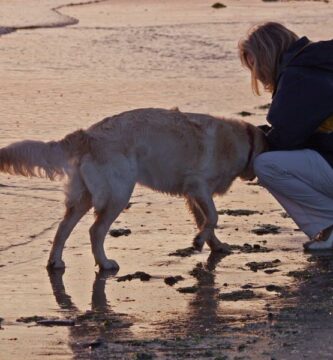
[203, 310]
[203, 315]
[290, 322]
[95, 327]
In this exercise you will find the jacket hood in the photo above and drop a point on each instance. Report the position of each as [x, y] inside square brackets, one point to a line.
[309, 54]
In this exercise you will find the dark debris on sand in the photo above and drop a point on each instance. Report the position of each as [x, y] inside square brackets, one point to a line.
[271, 271]
[29, 319]
[248, 248]
[188, 289]
[238, 295]
[172, 280]
[275, 288]
[265, 229]
[120, 232]
[137, 275]
[56, 322]
[245, 113]
[218, 5]
[255, 266]
[238, 212]
[184, 252]
[41, 320]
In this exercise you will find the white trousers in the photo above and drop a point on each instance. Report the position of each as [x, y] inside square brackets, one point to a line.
[302, 182]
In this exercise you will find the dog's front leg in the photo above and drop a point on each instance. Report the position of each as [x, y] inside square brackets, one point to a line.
[205, 203]
[199, 217]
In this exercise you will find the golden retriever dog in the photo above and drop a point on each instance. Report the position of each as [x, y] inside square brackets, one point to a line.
[186, 154]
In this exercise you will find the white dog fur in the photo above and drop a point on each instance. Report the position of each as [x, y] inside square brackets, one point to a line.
[187, 154]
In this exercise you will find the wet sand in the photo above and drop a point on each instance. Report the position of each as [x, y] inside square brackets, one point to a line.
[67, 68]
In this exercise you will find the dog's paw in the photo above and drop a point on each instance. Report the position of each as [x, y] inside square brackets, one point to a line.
[55, 264]
[110, 265]
[198, 242]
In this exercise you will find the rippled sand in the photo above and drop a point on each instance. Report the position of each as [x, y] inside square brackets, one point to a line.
[65, 67]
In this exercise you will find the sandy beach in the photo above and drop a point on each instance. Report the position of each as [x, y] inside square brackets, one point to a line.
[65, 66]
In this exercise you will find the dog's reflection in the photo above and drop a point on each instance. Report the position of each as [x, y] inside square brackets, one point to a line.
[102, 322]
[99, 300]
[98, 323]
[202, 315]
[63, 300]
[214, 259]
[203, 309]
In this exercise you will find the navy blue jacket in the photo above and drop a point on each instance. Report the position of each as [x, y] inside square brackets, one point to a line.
[303, 99]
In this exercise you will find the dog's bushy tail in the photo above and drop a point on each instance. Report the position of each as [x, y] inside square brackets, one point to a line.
[33, 158]
[43, 159]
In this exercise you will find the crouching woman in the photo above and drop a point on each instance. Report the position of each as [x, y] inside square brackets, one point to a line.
[298, 168]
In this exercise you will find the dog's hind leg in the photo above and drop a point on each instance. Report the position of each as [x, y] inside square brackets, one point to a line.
[104, 218]
[111, 185]
[74, 212]
[203, 200]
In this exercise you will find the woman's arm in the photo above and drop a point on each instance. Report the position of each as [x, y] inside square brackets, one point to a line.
[304, 99]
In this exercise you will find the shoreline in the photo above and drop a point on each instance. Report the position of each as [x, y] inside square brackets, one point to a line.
[66, 19]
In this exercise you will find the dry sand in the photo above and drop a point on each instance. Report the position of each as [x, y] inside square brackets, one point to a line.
[71, 66]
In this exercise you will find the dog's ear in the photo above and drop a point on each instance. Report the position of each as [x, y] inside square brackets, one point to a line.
[258, 142]
[261, 144]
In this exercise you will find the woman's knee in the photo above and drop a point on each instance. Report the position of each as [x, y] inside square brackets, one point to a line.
[266, 166]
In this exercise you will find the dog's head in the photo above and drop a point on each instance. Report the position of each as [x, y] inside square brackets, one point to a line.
[257, 145]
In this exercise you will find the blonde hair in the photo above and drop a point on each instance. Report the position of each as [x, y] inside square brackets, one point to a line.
[261, 50]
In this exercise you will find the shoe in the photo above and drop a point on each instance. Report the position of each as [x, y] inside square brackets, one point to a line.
[322, 242]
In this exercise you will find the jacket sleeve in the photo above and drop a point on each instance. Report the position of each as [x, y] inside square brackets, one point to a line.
[303, 100]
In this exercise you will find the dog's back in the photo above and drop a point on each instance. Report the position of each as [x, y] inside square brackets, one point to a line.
[169, 148]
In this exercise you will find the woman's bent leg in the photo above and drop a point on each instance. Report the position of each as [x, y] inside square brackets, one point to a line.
[302, 181]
